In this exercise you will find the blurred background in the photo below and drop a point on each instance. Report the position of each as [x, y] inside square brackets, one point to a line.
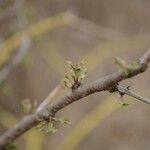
[36, 39]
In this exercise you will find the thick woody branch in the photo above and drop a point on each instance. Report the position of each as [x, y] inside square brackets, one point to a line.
[50, 110]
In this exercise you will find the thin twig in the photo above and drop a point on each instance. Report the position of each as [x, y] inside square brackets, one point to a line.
[22, 52]
[25, 43]
[49, 98]
[128, 92]
[50, 110]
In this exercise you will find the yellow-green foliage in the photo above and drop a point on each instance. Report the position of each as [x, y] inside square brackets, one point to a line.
[109, 49]
[126, 68]
[75, 74]
[8, 48]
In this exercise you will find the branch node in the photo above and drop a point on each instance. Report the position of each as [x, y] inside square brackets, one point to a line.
[75, 75]
[113, 88]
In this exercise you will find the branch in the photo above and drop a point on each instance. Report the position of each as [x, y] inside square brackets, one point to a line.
[15, 61]
[124, 90]
[50, 110]
[50, 96]
[25, 43]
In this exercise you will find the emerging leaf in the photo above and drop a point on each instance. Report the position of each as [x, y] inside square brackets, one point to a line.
[75, 74]
[11, 146]
[62, 120]
[50, 128]
[125, 105]
[27, 105]
[46, 126]
[126, 68]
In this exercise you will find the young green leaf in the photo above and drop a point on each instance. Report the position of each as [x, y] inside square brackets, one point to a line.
[11, 146]
[76, 73]
[50, 128]
[62, 120]
[125, 105]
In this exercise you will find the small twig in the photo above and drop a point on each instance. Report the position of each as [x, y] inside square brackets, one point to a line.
[22, 52]
[49, 98]
[128, 92]
[24, 45]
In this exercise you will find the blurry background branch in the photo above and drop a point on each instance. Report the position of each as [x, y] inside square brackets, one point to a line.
[92, 29]
[50, 110]
[8, 48]
[24, 44]
[15, 60]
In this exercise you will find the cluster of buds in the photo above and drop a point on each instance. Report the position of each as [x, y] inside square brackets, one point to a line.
[75, 75]
[126, 68]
